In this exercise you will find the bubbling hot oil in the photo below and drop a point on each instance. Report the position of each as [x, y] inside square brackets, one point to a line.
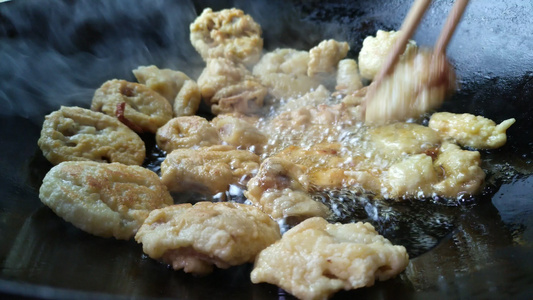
[419, 225]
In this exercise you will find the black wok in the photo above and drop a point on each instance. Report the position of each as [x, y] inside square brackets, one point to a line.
[56, 53]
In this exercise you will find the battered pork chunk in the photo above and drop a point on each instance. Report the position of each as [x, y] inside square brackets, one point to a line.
[471, 131]
[186, 132]
[284, 73]
[228, 87]
[324, 57]
[103, 199]
[75, 133]
[180, 91]
[348, 78]
[227, 33]
[134, 104]
[194, 238]
[208, 169]
[240, 131]
[375, 50]
[280, 189]
[315, 259]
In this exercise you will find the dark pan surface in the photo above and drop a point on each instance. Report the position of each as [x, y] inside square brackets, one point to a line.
[56, 53]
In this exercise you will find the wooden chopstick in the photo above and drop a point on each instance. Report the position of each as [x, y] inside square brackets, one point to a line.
[407, 30]
[449, 27]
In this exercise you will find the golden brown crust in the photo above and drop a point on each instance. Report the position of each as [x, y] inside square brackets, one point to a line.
[75, 133]
[142, 106]
[227, 33]
[315, 259]
[208, 169]
[186, 132]
[103, 199]
[196, 237]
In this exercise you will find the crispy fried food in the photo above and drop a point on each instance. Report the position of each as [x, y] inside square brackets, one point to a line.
[394, 140]
[103, 199]
[461, 171]
[280, 190]
[375, 50]
[75, 133]
[412, 177]
[284, 73]
[188, 99]
[208, 169]
[315, 259]
[471, 131]
[228, 33]
[418, 84]
[348, 78]
[324, 57]
[186, 132]
[181, 91]
[143, 107]
[229, 87]
[194, 238]
[240, 132]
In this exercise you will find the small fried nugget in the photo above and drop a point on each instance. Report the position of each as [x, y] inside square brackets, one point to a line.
[166, 82]
[208, 169]
[315, 259]
[186, 132]
[228, 87]
[461, 171]
[196, 237]
[227, 33]
[75, 133]
[181, 91]
[471, 131]
[348, 78]
[188, 99]
[240, 132]
[284, 73]
[397, 139]
[375, 51]
[107, 200]
[280, 190]
[324, 57]
[134, 104]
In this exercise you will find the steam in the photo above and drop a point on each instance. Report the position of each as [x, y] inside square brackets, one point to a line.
[59, 53]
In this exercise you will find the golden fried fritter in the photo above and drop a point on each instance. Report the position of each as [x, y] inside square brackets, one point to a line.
[103, 199]
[75, 133]
[196, 237]
[315, 259]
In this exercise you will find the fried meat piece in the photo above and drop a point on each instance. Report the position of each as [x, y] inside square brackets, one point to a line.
[471, 131]
[315, 259]
[284, 73]
[103, 199]
[280, 189]
[324, 57]
[186, 132]
[144, 108]
[397, 139]
[348, 78]
[228, 87]
[461, 171]
[240, 131]
[75, 133]
[180, 90]
[228, 33]
[196, 237]
[208, 169]
[375, 50]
